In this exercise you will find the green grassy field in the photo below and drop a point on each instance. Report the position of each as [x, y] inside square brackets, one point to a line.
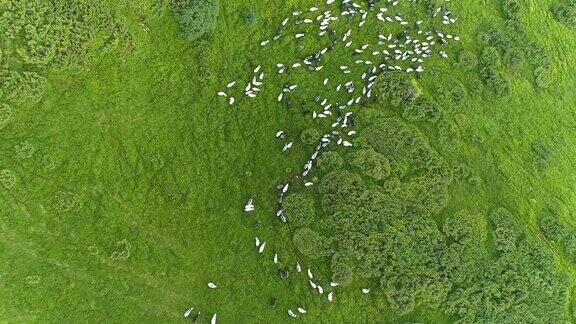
[128, 178]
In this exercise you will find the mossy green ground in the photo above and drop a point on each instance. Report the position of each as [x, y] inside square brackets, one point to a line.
[136, 147]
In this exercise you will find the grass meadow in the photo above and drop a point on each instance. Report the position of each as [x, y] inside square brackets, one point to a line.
[131, 175]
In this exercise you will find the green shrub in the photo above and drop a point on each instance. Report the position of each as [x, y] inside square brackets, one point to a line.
[329, 161]
[198, 17]
[400, 296]
[310, 136]
[483, 39]
[299, 209]
[495, 81]
[465, 228]
[340, 181]
[422, 109]
[542, 156]
[490, 57]
[512, 8]
[513, 57]
[448, 135]
[569, 244]
[249, 16]
[452, 93]
[176, 5]
[538, 55]
[542, 77]
[467, 60]
[310, 243]
[565, 12]
[371, 163]
[506, 230]
[342, 270]
[515, 29]
[394, 87]
[551, 227]
[498, 39]
[7, 178]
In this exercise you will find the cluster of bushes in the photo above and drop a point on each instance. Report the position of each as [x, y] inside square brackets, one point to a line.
[59, 32]
[400, 90]
[565, 12]
[518, 284]
[56, 33]
[406, 148]
[380, 220]
[198, 17]
[515, 49]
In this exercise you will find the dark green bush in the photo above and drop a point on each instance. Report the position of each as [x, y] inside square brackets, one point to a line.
[490, 57]
[176, 5]
[538, 55]
[452, 93]
[400, 296]
[198, 17]
[495, 81]
[310, 243]
[394, 87]
[512, 8]
[565, 12]
[542, 156]
[515, 29]
[551, 227]
[483, 38]
[542, 77]
[371, 163]
[249, 17]
[506, 230]
[513, 57]
[467, 60]
[329, 161]
[448, 135]
[340, 181]
[422, 109]
[464, 227]
[499, 39]
[299, 209]
[342, 270]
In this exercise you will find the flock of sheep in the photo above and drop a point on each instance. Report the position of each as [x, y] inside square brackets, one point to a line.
[406, 51]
